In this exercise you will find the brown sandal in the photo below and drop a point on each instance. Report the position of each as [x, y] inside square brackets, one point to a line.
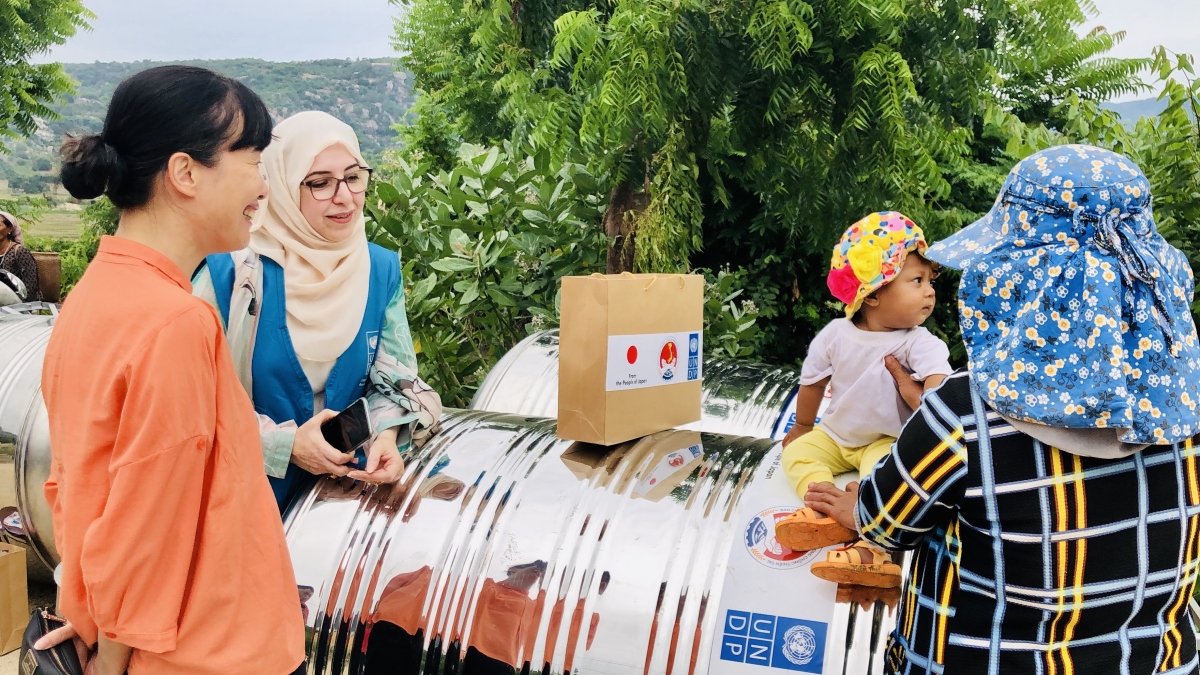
[807, 530]
[859, 565]
[865, 596]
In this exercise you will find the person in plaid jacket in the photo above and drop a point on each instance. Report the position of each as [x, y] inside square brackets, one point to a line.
[1050, 491]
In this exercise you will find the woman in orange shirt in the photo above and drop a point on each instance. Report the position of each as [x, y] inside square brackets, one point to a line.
[173, 554]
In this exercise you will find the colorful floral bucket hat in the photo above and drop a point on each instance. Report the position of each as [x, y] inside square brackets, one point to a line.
[1074, 310]
[870, 255]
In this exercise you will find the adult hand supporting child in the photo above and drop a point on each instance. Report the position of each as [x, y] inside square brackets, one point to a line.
[910, 389]
[834, 502]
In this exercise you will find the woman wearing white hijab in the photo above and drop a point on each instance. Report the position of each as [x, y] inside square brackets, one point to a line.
[315, 314]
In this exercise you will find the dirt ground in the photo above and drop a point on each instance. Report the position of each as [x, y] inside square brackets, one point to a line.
[40, 595]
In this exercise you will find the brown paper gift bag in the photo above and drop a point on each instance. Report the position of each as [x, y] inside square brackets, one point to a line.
[14, 597]
[630, 355]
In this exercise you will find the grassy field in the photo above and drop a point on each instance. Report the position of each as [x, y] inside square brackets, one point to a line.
[61, 223]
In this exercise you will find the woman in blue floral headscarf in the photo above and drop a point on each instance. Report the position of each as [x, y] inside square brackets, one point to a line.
[1051, 491]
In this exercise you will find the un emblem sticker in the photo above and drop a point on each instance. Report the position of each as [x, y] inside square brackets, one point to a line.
[799, 645]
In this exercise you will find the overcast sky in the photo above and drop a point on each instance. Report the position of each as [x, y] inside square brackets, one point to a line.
[301, 30]
[275, 30]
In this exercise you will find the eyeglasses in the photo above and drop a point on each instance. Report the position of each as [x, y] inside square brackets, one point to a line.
[325, 187]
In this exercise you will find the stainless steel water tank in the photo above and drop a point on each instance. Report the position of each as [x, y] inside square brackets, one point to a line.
[506, 549]
[24, 430]
[739, 397]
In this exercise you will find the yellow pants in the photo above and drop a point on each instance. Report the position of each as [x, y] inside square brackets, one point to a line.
[817, 458]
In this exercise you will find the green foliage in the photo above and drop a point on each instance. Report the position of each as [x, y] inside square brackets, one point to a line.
[26, 207]
[27, 28]
[729, 316]
[484, 245]
[762, 128]
[99, 218]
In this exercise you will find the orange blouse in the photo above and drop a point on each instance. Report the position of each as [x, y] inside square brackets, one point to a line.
[169, 535]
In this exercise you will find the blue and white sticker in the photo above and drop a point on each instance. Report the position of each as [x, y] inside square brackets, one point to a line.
[653, 360]
[773, 641]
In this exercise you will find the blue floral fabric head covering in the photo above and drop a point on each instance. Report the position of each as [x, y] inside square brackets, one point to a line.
[1074, 310]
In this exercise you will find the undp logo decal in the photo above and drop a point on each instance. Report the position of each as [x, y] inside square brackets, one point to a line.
[774, 641]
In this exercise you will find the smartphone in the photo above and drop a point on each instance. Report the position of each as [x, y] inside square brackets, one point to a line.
[350, 432]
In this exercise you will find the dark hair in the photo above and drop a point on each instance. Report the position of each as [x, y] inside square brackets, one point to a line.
[153, 115]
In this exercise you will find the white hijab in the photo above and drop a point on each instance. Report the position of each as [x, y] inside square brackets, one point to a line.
[325, 282]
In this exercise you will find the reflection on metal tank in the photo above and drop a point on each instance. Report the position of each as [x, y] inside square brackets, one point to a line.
[506, 549]
[24, 430]
[739, 398]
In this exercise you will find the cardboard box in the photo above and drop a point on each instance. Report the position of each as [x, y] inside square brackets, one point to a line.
[14, 597]
[630, 359]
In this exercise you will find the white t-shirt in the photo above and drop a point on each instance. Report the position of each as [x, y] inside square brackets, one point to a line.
[865, 404]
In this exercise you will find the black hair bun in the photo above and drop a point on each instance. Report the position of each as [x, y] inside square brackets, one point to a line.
[91, 167]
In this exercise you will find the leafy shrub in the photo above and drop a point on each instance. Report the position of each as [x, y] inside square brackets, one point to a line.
[729, 315]
[99, 218]
[484, 246]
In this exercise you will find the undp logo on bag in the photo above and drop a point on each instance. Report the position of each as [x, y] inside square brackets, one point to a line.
[774, 641]
[693, 356]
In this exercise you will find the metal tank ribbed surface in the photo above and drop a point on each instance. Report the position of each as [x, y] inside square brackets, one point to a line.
[505, 545]
[739, 397]
[25, 429]
[505, 549]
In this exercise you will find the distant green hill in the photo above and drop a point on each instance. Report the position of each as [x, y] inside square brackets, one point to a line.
[368, 94]
[1132, 111]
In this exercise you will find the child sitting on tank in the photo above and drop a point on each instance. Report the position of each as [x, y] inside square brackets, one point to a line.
[879, 272]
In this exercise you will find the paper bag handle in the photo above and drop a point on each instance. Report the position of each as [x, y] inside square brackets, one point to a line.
[653, 278]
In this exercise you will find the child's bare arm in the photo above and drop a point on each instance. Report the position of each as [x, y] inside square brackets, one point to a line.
[808, 401]
[933, 381]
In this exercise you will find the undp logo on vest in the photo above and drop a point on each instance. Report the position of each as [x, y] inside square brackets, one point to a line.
[774, 641]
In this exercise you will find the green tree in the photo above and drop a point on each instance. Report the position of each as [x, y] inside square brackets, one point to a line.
[484, 245]
[750, 133]
[28, 28]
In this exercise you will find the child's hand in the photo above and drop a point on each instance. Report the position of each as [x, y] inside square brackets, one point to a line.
[910, 389]
[834, 502]
[795, 432]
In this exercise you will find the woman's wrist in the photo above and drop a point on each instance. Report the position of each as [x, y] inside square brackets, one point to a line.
[112, 658]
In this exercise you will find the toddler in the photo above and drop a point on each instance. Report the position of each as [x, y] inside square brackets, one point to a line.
[879, 272]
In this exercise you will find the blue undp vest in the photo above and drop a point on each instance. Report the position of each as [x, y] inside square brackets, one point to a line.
[281, 390]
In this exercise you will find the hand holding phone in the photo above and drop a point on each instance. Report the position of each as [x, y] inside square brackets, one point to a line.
[350, 432]
[311, 452]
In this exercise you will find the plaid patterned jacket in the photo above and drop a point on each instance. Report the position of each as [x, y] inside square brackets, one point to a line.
[1032, 560]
